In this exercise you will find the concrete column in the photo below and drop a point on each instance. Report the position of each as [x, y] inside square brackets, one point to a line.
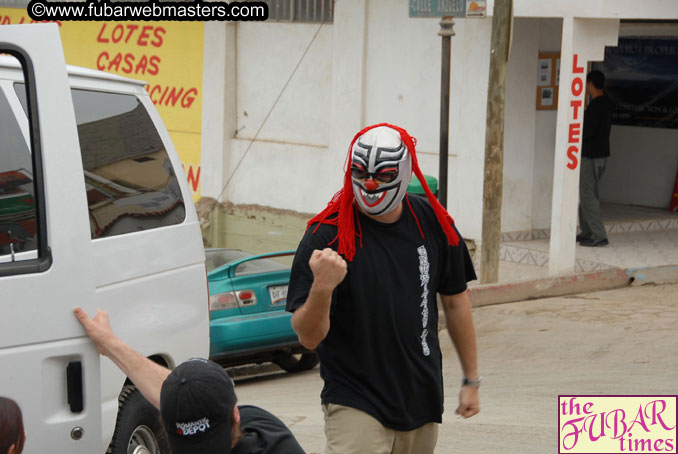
[583, 40]
[218, 106]
[348, 77]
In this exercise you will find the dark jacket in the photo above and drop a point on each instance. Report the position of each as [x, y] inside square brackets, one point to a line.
[597, 124]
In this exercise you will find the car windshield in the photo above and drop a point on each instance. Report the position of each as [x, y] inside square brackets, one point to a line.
[216, 258]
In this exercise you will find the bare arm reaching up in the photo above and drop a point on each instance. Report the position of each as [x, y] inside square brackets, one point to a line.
[144, 373]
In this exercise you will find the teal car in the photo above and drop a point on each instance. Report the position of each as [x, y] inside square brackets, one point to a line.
[248, 321]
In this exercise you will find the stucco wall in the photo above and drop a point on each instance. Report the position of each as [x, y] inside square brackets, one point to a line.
[284, 167]
[519, 127]
[550, 31]
[267, 54]
[642, 166]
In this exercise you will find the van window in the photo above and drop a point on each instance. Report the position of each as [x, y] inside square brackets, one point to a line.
[131, 185]
[18, 218]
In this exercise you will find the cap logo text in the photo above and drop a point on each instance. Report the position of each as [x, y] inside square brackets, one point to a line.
[192, 428]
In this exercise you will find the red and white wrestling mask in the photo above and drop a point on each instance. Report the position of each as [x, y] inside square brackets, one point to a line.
[381, 169]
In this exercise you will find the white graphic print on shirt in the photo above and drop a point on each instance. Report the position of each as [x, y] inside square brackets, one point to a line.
[424, 278]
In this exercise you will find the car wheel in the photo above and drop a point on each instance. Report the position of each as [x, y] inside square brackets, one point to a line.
[138, 429]
[296, 363]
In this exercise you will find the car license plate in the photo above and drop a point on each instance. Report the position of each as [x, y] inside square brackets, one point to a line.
[278, 294]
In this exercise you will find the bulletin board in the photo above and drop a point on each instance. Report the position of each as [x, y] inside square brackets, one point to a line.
[548, 79]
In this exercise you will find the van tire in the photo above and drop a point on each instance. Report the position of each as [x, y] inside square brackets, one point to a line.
[138, 426]
[296, 363]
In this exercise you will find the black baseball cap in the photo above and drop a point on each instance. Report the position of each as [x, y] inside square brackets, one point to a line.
[196, 404]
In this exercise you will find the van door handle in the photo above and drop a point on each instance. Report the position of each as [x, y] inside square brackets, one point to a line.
[74, 386]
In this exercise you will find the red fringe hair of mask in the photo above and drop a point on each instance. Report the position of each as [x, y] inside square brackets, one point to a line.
[342, 201]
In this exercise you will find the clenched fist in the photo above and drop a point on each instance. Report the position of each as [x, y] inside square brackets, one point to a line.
[328, 268]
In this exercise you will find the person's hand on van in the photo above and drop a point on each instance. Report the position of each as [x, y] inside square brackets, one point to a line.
[144, 373]
[98, 329]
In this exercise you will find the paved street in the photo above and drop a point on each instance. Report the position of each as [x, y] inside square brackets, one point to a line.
[615, 342]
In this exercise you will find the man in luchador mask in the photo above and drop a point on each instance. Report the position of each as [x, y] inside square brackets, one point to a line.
[363, 295]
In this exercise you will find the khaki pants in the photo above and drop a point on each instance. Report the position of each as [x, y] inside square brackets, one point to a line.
[351, 431]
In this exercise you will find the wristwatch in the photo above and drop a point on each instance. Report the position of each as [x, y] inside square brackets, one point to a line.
[472, 383]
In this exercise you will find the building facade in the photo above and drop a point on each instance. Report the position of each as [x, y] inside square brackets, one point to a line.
[283, 100]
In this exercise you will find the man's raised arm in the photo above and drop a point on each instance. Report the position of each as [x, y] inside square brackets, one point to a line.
[312, 320]
[144, 373]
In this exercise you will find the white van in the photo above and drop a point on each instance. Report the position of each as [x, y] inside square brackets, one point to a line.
[95, 211]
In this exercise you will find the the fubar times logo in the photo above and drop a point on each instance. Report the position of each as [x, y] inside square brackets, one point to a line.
[617, 424]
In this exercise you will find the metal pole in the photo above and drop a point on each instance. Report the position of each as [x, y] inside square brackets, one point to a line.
[446, 32]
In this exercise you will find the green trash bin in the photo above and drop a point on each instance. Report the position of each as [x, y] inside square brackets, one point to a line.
[415, 186]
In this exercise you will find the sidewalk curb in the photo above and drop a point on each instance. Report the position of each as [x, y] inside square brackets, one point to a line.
[509, 292]
[653, 275]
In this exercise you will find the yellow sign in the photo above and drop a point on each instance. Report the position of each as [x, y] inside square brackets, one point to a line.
[167, 55]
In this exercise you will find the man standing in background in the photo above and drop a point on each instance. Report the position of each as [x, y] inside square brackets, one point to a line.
[595, 151]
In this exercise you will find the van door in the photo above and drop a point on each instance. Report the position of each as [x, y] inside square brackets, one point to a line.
[47, 365]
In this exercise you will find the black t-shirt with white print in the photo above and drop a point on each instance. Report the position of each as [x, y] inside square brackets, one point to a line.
[382, 354]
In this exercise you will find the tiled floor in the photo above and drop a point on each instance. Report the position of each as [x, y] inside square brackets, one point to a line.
[639, 237]
[626, 250]
[618, 219]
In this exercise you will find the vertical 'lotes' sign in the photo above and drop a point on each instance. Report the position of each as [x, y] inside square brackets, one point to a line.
[167, 55]
[576, 114]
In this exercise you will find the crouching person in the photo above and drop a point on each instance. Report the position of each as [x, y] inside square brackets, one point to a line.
[197, 401]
